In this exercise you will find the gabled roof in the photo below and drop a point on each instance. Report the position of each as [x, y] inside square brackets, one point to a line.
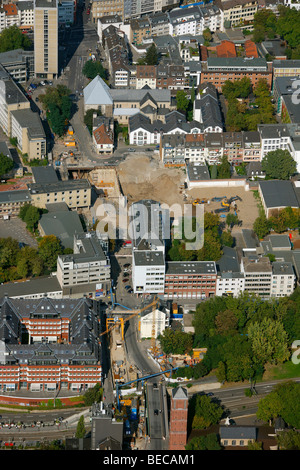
[101, 136]
[97, 92]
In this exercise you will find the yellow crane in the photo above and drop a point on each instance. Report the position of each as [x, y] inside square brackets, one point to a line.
[121, 321]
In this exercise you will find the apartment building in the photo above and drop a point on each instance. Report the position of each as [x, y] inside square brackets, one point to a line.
[12, 201]
[62, 350]
[12, 98]
[146, 75]
[233, 147]
[26, 14]
[273, 137]
[285, 68]
[75, 193]
[140, 29]
[66, 12]
[238, 11]
[190, 280]
[251, 147]
[283, 279]
[100, 8]
[46, 36]
[258, 275]
[159, 23]
[172, 150]
[27, 127]
[207, 109]
[87, 270]
[149, 222]
[219, 69]
[19, 64]
[11, 14]
[195, 19]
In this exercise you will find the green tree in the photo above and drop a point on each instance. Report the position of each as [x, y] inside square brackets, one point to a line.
[224, 171]
[6, 164]
[182, 101]
[151, 57]
[206, 412]
[93, 68]
[261, 226]
[80, 430]
[227, 239]
[208, 442]
[49, 249]
[93, 395]
[288, 440]
[12, 38]
[279, 164]
[176, 342]
[269, 341]
[232, 220]
[88, 118]
[32, 217]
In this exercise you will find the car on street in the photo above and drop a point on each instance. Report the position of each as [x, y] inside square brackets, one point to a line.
[127, 265]
[131, 150]
[127, 287]
[125, 280]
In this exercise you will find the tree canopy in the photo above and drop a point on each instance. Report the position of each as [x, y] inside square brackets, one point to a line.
[58, 106]
[93, 68]
[279, 164]
[12, 38]
[6, 164]
[151, 57]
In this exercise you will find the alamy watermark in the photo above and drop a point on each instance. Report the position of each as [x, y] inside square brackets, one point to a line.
[295, 358]
[296, 93]
[152, 221]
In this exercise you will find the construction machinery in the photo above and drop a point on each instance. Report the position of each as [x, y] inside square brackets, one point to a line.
[225, 203]
[120, 321]
[218, 199]
[199, 201]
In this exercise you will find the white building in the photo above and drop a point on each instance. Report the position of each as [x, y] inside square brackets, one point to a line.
[157, 318]
[230, 284]
[283, 279]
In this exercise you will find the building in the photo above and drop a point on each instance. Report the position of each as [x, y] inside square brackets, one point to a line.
[27, 127]
[230, 279]
[236, 12]
[258, 275]
[219, 69]
[285, 68]
[157, 318]
[12, 98]
[46, 36]
[276, 195]
[106, 433]
[148, 224]
[178, 419]
[50, 344]
[18, 63]
[61, 222]
[75, 193]
[26, 14]
[190, 279]
[207, 110]
[35, 288]
[237, 436]
[283, 279]
[103, 134]
[87, 270]
[12, 201]
[100, 8]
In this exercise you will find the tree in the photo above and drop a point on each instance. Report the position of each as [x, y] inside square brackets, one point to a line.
[93, 68]
[80, 430]
[93, 395]
[279, 164]
[49, 249]
[88, 118]
[206, 412]
[176, 342]
[208, 442]
[32, 217]
[224, 171]
[227, 239]
[261, 226]
[151, 57]
[232, 220]
[226, 323]
[12, 38]
[6, 164]
[182, 101]
[282, 401]
[288, 440]
[269, 341]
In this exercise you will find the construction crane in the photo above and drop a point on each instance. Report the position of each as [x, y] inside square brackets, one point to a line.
[121, 321]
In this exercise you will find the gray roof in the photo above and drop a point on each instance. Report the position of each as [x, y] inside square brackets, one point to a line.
[30, 120]
[236, 63]
[144, 258]
[44, 174]
[280, 268]
[13, 94]
[67, 185]
[238, 432]
[62, 224]
[191, 267]
[91, 249]
[228, 263]
[279, 241]
[286, 63]
[197, 172]
[138, 95]
[15, 196]
[97, 92]
[278, 193]
[39, 285]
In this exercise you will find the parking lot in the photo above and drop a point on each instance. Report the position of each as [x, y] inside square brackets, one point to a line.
[16, 228]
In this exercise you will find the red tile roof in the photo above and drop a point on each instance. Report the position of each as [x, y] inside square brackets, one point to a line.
[226, 49]
[101, 136]
[251, 49]
[10, 9]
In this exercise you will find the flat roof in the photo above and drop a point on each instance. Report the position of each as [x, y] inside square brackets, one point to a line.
[144, 258]
[38, 285]
[191, 267]
[15, 196]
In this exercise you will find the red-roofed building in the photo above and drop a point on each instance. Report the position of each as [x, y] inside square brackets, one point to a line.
[12, 14]
[103, 139]
[226, 49]
[250, 49]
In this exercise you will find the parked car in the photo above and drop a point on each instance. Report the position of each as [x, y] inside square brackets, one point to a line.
[127, 287]
[125, 280]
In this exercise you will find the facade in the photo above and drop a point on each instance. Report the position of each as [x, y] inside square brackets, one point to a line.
[219, 69]
[190, 279]
[235, 12]
[46, 35]
[160, 318]
[258, 275]
[100, 8]
[237, 436]
[75, 193]
[18, 63]
[50, 344]
[12, 201]
[27, 127]
[178, 419]
[87, 269]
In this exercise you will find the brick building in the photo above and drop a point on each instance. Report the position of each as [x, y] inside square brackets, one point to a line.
[178, 419]
[49, 344]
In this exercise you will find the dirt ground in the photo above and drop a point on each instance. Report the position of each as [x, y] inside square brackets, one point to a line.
[247, 209]
[142, 178]
[145, 178]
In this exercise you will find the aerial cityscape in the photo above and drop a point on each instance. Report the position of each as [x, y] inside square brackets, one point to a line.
[149, 227]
